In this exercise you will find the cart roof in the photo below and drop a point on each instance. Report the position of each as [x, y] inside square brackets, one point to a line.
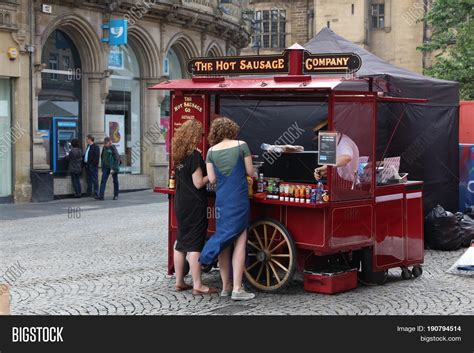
[260, 84]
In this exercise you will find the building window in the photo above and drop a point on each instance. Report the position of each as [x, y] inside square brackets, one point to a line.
[352, 9]
[377, 12]
[122, 108]
[67, 67]
[53, 65]
[270, 29]
[59, 98]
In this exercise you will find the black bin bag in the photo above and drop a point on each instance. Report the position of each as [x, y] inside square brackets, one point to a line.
[466, 222]
[442, 230]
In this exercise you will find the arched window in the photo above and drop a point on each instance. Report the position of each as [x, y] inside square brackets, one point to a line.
[174, 69]
[122, 108]
[59, 102]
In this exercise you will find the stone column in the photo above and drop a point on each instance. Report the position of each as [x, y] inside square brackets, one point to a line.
[21, 133]
[40, 155]
[153, 146]
[96, 91]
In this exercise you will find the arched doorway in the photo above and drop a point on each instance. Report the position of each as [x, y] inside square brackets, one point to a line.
[123, 107]
[59, 101]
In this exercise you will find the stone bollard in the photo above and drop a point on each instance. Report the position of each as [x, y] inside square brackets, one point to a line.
[4, 299]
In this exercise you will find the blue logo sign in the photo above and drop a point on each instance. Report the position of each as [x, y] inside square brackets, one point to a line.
[118, 32]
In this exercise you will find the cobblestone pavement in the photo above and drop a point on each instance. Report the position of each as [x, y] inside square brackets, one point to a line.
[112, 260]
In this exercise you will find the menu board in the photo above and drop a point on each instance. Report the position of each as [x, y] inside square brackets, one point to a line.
[188, 107]
[327, 144]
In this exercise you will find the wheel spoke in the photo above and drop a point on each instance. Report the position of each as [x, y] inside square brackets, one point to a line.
[259, 273]
[268, 274]
[280, 255]
[275, 272]
[279, 244]
[254, 245]
[258, 238]
[252, 266]
[251, 254]
[265, 238]
[279, 264]
[271, 239]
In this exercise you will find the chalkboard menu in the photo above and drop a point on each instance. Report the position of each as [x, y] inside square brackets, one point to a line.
[327, 142]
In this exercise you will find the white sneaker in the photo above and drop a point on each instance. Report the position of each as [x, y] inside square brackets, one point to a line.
[242, 295]
[226, 293]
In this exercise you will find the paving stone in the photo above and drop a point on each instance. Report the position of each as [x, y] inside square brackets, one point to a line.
[112, 261]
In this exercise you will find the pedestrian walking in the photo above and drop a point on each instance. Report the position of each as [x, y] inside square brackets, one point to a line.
[91, 166]
[75, 167]
[110, 165]
[228, 163]
[190, 205]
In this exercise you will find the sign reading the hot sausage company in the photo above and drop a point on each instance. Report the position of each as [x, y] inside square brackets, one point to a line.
[243, 65]
[331, 63]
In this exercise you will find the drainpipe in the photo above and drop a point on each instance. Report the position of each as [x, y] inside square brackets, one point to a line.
[30, 56]
[425, 33]
[310, 21]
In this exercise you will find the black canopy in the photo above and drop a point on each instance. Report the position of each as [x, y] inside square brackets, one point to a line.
[401, 82]
[425, 135]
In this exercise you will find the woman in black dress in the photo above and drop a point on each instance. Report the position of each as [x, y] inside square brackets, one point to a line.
[190, 204]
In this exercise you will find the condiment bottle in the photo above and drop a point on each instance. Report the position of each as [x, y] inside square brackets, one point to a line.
[302, 194]
[308, 194]
[291, 193]
[287, 192]
[172, 181]
[260, 183]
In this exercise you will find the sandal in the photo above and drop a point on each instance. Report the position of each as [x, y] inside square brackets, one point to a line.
[210, 291]
[183, 287]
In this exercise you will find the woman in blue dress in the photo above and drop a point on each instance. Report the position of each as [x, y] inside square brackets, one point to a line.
[228, 163]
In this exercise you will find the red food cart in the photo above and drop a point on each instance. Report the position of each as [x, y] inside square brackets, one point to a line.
[367, 229]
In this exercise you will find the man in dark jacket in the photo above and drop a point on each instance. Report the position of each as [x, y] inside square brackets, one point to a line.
[110, 165]
[91, 164]
[75, 166]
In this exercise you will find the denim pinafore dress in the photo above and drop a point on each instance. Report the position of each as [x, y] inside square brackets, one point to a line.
[232, 210]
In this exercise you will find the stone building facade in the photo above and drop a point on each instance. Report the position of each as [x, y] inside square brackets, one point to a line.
[390, 29]
[64, 75]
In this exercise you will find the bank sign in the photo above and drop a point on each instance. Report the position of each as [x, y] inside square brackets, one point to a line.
[342, 63]
[118, 32]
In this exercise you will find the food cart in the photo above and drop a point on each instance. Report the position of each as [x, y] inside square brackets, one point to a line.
[364, 229]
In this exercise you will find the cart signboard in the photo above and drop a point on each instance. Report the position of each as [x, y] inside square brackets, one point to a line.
[331, 63]
[327, 144]
[188, 107]
[342, 63]
[242, 65]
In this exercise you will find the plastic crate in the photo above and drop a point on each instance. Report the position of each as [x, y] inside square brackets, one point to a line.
[330, 282]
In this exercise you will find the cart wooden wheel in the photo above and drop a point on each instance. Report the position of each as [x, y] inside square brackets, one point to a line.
[271, 256]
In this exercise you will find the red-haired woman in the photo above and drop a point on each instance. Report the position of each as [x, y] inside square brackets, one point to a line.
[190, 204]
